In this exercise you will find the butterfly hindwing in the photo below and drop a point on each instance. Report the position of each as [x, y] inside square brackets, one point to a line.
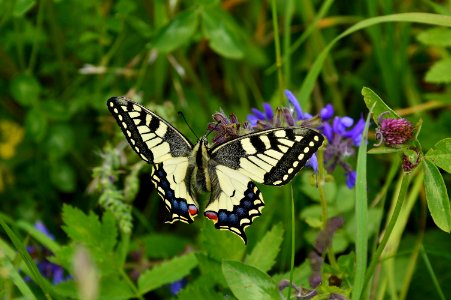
[160, 144]
[235, 200]
[271, 157]
[170, 179]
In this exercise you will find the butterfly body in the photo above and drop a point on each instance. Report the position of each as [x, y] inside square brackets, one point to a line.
[181, 170]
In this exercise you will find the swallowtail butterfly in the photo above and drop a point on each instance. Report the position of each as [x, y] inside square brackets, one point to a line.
[181, 170]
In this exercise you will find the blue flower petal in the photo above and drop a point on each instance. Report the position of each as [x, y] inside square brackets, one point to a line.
[252, 120]
[258, 114]
[313, 163]
[295, 103]
[327, 112]
[350, 179]
[347, 121]
[328, 132]
[268, 111]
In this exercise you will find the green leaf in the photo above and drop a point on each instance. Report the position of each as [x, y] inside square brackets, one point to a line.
[221, 33]
[201, 288]
[114, 288]
[439, 72]
[247, 282]
[437, 196]
[440, 37]
[383, 150]
[361, 186]
[232, 247]
[12, 273]
[440, 154]
[372, 98]
[98, 237]
[422, 18]
[36, 124]
[21, 7]
[264, 254]
[178, 32]
[25, 89]
[212, 268]
[167, 272]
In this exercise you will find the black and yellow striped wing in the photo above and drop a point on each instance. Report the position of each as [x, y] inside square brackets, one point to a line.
[160, 144]
[271, 157]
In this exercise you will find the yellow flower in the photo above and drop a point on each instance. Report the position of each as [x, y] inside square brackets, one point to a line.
[11, 134]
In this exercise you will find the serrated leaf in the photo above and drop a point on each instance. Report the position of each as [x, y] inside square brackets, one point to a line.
[88, 230]
[440, 154]
[178, 32]
[247, 282]
[264, 254]
[221, 33]
[167, 272]
[436, 37]
[371, 98]
[439, 72]
[98, 237]
[437, 196]
[114, 288]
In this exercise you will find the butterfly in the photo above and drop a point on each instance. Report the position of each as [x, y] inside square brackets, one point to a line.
[182, 170]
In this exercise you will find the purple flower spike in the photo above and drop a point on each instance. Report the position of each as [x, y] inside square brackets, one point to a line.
[176, 286]
[268, 111]
[327, 112]
[327, 131]
[252, 119]
[295, 103]
[350, 179]
[356, 132]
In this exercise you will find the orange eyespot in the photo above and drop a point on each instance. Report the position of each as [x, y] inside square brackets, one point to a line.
[192, 210]
[212, 216]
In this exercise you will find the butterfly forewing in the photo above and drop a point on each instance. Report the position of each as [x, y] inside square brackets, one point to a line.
[160, 144]
[154, 139]
[271, 157]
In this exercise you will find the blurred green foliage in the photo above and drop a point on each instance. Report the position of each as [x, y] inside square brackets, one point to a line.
[60, 149]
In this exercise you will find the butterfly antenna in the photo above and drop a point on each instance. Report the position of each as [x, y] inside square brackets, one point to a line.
[210, 131]
[187, 124]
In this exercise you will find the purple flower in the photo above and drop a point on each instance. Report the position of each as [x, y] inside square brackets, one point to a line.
[327, 112]
[394, 132]
[227, 128]
[342, 133]
[40, 254]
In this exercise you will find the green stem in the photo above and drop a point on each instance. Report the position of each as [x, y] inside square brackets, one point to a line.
[35, 46]
[287, 41]
[432, 273]
[321, 180]
[292, 244]
[388, 230]
[277, 46]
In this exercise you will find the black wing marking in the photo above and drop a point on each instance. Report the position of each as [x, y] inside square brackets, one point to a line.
[153, 138]
[160, 144]
[271, 157]
[235, 201]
